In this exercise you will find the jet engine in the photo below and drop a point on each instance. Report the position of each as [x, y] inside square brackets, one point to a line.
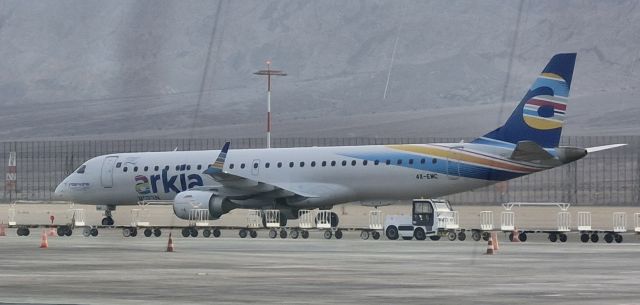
[185, 204]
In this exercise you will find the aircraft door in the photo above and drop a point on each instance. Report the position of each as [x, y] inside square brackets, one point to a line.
[453, 163]
[106, 178]
[255, 170]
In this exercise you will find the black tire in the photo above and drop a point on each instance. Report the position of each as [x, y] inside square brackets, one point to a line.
[59, 230]
[67, 232]
[392, 233]
[242, 233]
[335, 220]
[148, 232]
[105, 221]
[206, 233]
[419, 234]
[294, 234]
[134, 232]
[375, 235]
[486, 236]
[435, 237]
[608, 238]
[216, 233]
[584, 237]
[283, 221]
[186, 232]
[19, 231]
[618, 238]
[126, 232]
[338, 234]
[594, 238]
[553, 237]
[452, 236]
[253, 233]
[476, 236]
[305, 234]
[273, 233]
[522, 237]
[563, 237]
[462, 236]
[194, 232]
[511, 237]
[364, 235]
[157, 232]
[86, 232]
[283, 233]
[94, 232]
[327, 234]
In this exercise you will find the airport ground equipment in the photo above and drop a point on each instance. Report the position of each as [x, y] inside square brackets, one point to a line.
[636, 216]
[376, 224]
[433, 218]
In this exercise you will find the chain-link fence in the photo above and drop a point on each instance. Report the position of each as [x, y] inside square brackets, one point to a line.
[609, 177]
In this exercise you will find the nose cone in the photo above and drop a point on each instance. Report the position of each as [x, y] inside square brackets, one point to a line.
[61, 192]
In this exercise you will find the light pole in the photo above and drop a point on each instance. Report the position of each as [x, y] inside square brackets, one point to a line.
[268, 73]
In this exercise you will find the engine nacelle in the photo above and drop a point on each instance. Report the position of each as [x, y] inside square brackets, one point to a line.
[186, 202]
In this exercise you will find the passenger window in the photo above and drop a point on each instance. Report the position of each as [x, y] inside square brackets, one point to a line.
[364, 162]
[266, 165]
[146, 168]
[156, 168]
[388, 162]
[255, 165]
[333, 163]
[324, 163]
[166, 168]
[410, 161]
[301, 164]
[313, 163]
[353, 163]
[188, 167]
[135, 168]
[399, 161]
[118, 164]
[344, 162]
[199, 167]
[124, 169]
[279, 164]
[231, 166]
[422, 161]
[183, 167]
[376, 162]
[177, 167]
[241, 165]
[290, 164]
[434, 160]
[81, 169]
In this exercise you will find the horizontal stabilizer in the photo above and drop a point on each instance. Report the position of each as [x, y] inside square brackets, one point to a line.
[604, 147]
[530, 151]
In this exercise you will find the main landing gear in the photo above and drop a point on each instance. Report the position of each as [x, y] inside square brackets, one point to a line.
[108, 219]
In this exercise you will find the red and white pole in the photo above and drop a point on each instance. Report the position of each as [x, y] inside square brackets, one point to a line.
[268, 104]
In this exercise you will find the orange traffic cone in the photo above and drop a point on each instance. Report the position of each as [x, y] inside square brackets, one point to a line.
[516, 235]
[2, 230]
[170, 244]
[44, 243]
[494, 236]
[490, 247]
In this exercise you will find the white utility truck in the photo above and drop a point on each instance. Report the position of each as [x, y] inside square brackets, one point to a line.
[431, 218]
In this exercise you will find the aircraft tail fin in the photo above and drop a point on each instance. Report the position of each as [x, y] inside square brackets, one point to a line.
[541, 112]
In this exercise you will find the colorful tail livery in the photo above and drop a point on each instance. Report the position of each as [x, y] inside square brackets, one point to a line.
[541, 113]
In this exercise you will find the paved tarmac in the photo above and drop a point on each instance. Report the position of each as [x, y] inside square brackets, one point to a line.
[111, 269]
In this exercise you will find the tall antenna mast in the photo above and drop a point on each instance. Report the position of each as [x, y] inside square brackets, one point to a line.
[268, 73]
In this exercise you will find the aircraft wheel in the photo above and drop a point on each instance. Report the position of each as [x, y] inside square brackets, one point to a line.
[419, 234]
[86, 232]
[283, 233]
[462, 236]
[60, 231]
[618, 238]
[475, 235]
[392, 233]
[553, 237]
[522, 237]
[253, 233]
[327, 234]
[584, 237]
[434, 237]
[242, 233]
[105, 221]
[563, 237]
[305, 234]
[338, 234]
[148, 232]
[375, 235]
[126, 232]
[216, 233]
[194, 232]
[94, 232]
[26, 232]
[134, 232]
[594, 238]
[364, 235]
[157, 232]
[273, 233]
[608, 238]
[19, 231]
[451, 236]
[186, 232]
[206, 233]
[294, 234]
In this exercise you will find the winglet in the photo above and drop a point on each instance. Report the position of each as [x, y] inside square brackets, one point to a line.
[604, 147]
[216, 167]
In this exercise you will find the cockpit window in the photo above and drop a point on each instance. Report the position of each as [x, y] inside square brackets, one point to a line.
[81, 169]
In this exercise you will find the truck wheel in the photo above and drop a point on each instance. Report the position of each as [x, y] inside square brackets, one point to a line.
[242, 233]
[59, 230]
[216, 233]
[147, 232]
[594, 238]
[205, 232]
[186, 232]
[419, 234]
[283, 233]
[553, 237]
[563, 237]
[364, 235]
[294, 234]
[608, 238]
[126, 232]
[273, 233]
[375, 235]
[522, 237]
[392, 233]
[452, 236]
[157, 232]
[486, 236]
[475, 235]
[253, 234]
[584, 237]
[462, 236]
[194, 232]
[305, 234]
[327, 234]
[618, 238]
[86, 232]
[338, 234]
[94, 232]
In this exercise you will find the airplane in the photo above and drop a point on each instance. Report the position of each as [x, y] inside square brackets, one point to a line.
[290, 179]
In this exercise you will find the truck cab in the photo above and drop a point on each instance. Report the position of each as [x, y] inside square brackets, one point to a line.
[431, 218]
